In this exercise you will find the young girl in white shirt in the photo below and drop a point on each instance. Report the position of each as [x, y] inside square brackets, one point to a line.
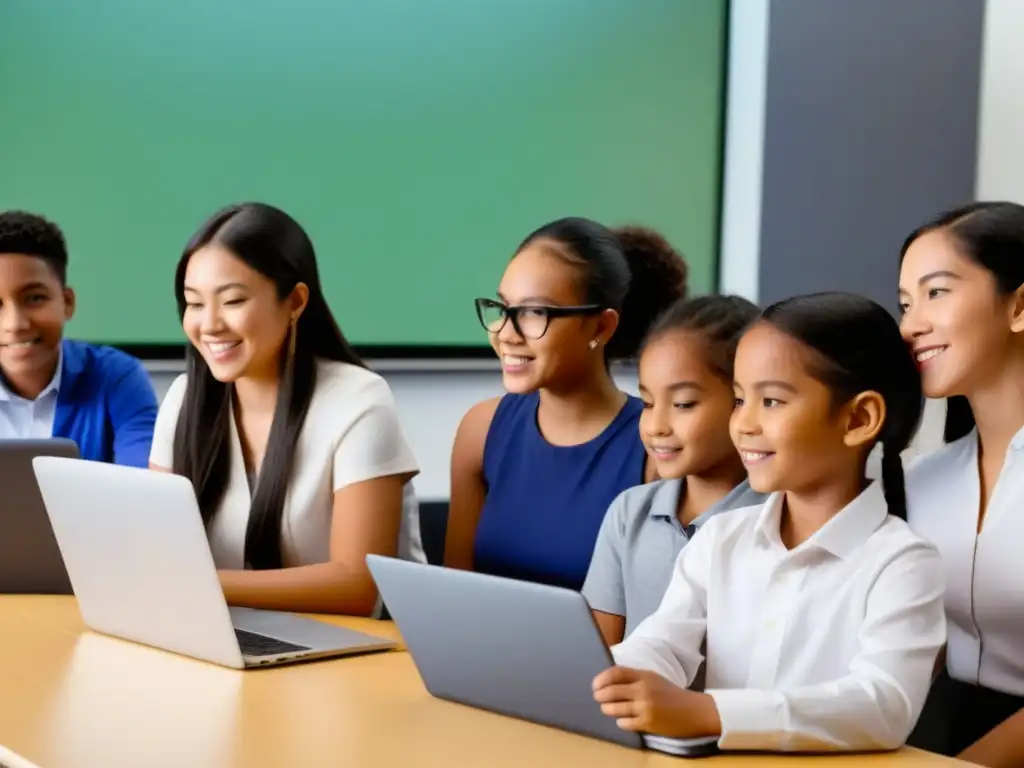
[962, 296]
[293, 446]
[822, 612]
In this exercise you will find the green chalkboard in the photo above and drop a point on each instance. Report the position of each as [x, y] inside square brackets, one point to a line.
[417, 142]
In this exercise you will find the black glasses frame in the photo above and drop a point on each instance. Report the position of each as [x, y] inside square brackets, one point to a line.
[512, 312]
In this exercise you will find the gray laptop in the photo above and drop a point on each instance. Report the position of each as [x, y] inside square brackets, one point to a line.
[492, 643]
[30, 560]
[140, 564]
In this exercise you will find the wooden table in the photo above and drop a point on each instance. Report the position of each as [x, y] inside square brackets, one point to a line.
[70, 698]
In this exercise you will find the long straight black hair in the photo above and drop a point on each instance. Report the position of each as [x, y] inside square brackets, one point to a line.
[273, 244]
[991, 234]
[859, 349]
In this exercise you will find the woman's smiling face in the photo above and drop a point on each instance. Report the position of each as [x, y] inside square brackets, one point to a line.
[954, 318]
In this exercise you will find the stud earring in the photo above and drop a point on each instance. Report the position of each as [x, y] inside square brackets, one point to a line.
[592, 344]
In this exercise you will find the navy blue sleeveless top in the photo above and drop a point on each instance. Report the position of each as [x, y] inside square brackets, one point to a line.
[545, 503]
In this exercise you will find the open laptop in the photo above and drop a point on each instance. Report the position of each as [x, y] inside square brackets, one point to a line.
[30, 560]
[526, 650]
[9, 759]
[140, 564]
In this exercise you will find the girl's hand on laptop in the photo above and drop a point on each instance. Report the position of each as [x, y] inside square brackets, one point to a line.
[648, 703]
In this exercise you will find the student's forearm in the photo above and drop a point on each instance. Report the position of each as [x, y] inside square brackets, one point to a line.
[612, 626]
[1002, 747]
[322, 588]
[460, 558]
[704, 719]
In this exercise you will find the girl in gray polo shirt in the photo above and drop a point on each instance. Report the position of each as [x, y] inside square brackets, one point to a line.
[686, 386]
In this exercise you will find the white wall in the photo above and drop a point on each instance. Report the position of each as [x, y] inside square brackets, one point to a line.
[1001, 121]
[743, 167]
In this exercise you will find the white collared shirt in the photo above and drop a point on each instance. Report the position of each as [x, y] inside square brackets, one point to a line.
[984, 577]
[21, 418]
[829, 646]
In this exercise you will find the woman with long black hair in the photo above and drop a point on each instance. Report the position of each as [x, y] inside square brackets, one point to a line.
[962, 296]
[294, 448]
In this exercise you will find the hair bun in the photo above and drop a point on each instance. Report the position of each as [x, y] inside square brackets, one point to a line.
[658, 279]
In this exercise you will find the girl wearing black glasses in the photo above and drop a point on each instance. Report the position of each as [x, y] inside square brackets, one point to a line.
[534, 471]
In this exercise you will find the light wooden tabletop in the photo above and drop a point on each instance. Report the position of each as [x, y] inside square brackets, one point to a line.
[70, 698]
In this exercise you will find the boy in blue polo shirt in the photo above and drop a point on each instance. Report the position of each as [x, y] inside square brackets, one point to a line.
[97, 396]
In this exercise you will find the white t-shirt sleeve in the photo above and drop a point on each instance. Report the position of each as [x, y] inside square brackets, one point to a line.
[162, 452]
[371, 442]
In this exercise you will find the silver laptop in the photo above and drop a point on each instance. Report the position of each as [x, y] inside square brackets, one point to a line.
[493, 643]
[140, 564]
[30, 560]
[9, 759]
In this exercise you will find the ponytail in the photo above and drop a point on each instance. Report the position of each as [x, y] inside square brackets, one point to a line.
[893, 484]
[860, 350]
[633, 270]
[658, 278]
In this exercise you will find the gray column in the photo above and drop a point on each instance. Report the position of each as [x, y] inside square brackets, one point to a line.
[868, 113]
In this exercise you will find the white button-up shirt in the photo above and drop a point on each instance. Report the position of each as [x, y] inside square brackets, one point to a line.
[21, 418]
[828, 646]
[984, 576]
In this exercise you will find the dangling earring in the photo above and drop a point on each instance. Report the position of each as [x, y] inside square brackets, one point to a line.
[592, 344]
[292, 333]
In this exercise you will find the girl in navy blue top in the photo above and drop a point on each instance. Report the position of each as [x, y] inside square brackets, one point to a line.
[533, 472]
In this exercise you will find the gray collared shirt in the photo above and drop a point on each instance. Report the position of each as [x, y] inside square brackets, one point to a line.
[639, 541]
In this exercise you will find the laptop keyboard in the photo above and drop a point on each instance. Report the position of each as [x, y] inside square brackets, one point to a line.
[261, 645]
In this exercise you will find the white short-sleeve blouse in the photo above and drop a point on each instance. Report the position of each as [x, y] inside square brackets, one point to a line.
[351, 434]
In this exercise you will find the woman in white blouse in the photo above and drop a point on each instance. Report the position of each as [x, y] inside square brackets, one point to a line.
[962, 296]
[293, 446]
[822, 612]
